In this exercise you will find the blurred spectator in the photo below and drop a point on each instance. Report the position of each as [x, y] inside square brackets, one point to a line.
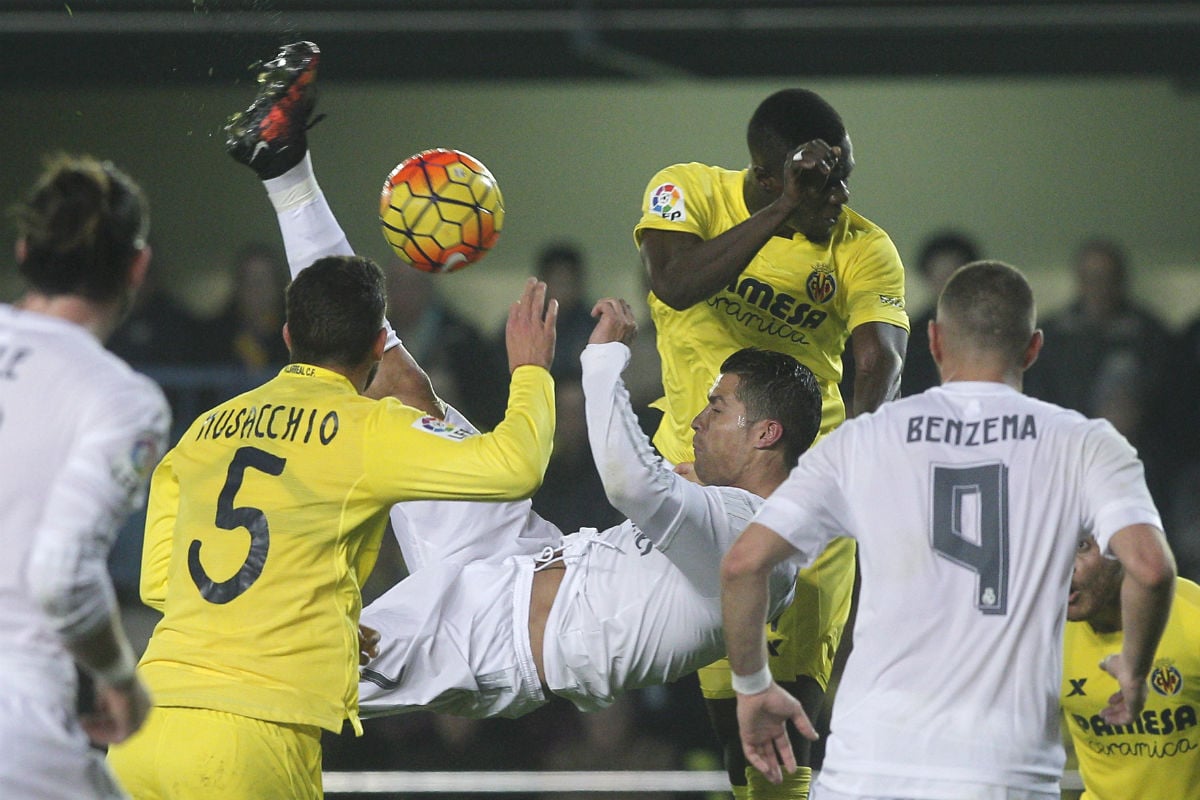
[612, 739]
[939, 257]
[248, 332]
[1106, 356]
[572, 495]
[561, 265]
[1182, 396]
[468, 372]
[160, 330]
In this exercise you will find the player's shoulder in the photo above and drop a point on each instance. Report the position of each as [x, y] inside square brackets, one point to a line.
[858, 226]
[695, 176]
[740, 505]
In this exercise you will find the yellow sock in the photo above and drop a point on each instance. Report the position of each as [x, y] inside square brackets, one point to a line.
[741, 792]
[794, 786]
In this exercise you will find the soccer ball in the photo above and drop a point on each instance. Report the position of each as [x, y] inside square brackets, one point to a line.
[441, 210]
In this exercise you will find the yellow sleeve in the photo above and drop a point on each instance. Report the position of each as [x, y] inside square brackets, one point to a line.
[678, 198]
[161, 511]
[876, 284]
[417, 457]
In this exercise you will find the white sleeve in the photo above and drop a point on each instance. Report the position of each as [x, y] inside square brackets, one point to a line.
[1115, 495]
[310, 231]
[104, 478]
[638, 482]
[810, 508]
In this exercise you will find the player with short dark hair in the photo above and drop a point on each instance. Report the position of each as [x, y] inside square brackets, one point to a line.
[80, 432]
[771, 256]
[968, 502]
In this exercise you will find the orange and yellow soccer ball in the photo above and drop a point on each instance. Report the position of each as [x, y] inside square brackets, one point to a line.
[441, 210]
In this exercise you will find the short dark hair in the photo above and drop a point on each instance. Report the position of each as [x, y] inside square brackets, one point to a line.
[788, 119]
[335, 310]
[991, 305]
[774, 385]
[958, 244]
[83, 223]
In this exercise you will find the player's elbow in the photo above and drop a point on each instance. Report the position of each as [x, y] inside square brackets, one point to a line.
[743, 563]
[1146, 558]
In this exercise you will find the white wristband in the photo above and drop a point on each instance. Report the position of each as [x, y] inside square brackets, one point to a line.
[757, 683]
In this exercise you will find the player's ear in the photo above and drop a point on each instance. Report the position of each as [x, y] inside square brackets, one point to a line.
[139, 267]
[770, 431]
[935, 341]
[1033, 349]
[380, 344]
[763, 177]
[287, 337]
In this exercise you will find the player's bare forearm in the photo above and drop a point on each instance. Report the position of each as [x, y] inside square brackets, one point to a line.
[685, 269]
[745, 570]
[1147, 589]
[878, 361]
[401, 377]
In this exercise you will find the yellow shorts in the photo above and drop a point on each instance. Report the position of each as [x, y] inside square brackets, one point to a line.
[200, 754]
[805, 638]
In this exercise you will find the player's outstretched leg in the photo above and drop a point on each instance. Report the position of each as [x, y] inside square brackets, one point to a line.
[269, 136]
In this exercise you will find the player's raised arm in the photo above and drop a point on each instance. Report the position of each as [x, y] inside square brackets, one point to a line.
[685, 269]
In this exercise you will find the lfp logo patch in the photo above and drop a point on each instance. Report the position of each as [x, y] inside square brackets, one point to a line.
[666, 201]
[446, 430]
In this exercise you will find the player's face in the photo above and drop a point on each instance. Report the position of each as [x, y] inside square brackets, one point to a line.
[1095, 583]
[723, 436]
[818, 213]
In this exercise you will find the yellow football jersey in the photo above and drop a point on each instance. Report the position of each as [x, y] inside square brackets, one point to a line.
[797, 297]
[1158, 756]
[266, 518]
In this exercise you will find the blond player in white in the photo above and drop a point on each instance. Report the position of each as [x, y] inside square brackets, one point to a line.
[80, 432]
[968, 502]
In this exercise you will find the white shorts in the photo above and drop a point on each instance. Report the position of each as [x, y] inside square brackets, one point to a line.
[455, 638]
[625, 617]
[45, 754]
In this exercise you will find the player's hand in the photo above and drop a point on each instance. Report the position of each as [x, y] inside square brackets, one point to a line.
[614, 322]
[368, 644]
[529, 333]
[1127, 703]
[119, 712]
[806, 171]
[762, 724]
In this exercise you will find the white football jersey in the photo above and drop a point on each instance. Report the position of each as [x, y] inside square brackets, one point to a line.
[80, 432]
[967, 502]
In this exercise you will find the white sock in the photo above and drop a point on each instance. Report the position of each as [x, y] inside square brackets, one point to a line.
[310, 231]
